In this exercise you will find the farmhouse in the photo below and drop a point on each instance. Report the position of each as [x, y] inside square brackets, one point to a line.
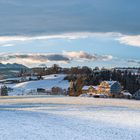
[57, 90]
[110, 88]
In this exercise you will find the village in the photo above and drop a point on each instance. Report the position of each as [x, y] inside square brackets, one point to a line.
[35, 85]
[106, 89]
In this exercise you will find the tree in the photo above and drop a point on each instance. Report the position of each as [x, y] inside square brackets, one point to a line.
[79, 85]
[4, 91]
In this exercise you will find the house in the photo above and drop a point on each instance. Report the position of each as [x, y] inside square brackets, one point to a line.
[90, 89]
[137, 95]
[41, 90]
[57, 90]
[110, 88]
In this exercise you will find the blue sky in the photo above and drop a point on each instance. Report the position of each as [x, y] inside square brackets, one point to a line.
[103, 33]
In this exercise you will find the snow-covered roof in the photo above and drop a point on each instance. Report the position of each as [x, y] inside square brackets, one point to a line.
[87, 87]
[127, 93]
[111, 82]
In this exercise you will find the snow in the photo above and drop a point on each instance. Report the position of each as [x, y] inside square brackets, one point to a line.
[85, 87]
[84, 95]
[127, 93]
[68, 118]
[47, 83]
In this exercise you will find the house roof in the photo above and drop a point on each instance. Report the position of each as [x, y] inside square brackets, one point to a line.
[87, 87]
[127, 93]
[111, 82]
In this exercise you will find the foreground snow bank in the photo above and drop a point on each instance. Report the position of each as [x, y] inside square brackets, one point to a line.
[66, 118]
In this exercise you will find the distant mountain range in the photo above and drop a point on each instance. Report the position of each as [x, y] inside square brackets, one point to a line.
[10, 70]
[12, 66]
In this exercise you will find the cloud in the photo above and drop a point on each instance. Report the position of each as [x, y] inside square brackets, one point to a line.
[69, 36]
[41, 59]
[133, 40]
[84, 56]
[7, 45]
[35, 17]
[33, 58]
[133, 61]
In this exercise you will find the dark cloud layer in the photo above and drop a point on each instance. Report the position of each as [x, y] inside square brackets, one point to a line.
[35, 57]
[33, 17]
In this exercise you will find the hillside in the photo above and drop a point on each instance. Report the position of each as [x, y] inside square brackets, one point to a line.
[47, 83]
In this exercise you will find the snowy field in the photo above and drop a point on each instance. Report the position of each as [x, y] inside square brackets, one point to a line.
[68, 118]
[47, 83]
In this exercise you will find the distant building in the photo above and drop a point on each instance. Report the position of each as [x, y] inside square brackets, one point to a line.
[57, 90]
[137, 95]
[133, 71]
[41, 90]
[110, 88]
[90, 89]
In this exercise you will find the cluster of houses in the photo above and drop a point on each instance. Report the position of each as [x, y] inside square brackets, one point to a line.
[5, 91]
[112, 89]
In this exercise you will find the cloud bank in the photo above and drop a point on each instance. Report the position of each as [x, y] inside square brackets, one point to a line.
[38, 17]
[65, 57]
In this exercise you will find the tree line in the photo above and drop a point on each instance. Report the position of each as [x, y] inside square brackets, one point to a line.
[88, 76]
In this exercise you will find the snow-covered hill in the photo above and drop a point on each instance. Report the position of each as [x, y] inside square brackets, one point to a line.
[47, 83]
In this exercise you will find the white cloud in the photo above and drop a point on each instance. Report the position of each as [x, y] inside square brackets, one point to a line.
[69, 36]
[7, 45]
[84, 56]
[133, 40]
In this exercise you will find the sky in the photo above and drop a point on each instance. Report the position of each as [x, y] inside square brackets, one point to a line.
[104, 33]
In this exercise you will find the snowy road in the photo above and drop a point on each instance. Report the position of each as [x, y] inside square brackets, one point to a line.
[65, 118]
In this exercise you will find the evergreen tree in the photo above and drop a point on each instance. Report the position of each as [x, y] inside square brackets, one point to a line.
[4, 91]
